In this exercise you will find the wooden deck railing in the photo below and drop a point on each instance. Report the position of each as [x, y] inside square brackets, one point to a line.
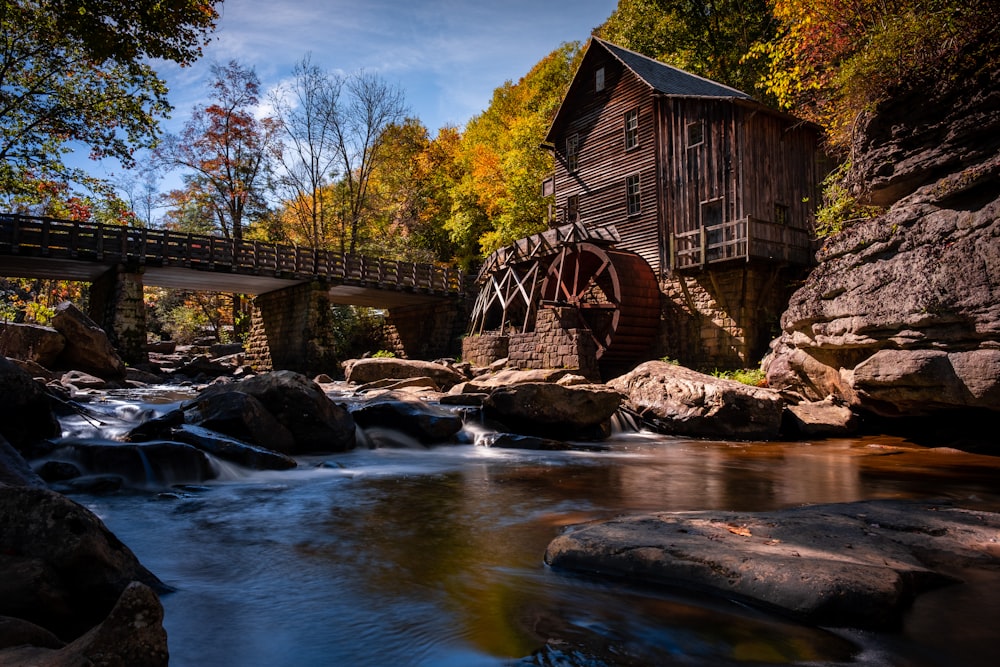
[743, 239]
[61, 239]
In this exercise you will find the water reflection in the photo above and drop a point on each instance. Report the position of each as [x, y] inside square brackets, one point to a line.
[434, 557]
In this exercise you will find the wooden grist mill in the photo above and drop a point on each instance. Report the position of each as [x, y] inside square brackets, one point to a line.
[566, 295]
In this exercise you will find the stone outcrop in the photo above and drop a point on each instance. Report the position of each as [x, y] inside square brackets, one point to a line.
[231, 449]
[828, 417]
[14, 470]
[131, 636]
[902, 315]
[427, 423]
[316, 423]
[680, 401]
[365, 371]
[155, 464]
[31, 342]
[241, 416]
[852, 564]
[62, 569]
[508, 377]
[25, 411]
[87, 345]
[553, 411]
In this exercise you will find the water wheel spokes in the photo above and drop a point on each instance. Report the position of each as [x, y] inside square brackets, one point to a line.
[614, 294]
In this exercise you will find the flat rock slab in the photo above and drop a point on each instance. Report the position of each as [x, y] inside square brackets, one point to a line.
[851, 564]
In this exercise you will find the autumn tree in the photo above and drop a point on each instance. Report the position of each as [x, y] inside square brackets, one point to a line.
[834, 59]
[306, 107]
[226, 149]
[333, 125]
[80, 72]
[396, 191]
[498, 198]
[189, 209]
[710, 38]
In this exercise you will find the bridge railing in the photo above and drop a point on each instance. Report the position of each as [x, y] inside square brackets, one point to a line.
[49, 237]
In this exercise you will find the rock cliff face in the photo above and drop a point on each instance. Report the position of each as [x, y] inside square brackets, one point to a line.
[902, 315]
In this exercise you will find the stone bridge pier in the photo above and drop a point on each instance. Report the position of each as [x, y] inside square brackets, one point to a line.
[116, 305]
[293, 329]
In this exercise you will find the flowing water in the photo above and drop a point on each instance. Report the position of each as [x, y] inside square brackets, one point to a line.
[434, 556]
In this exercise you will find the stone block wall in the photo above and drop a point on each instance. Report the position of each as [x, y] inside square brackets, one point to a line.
[292, 329]
[722, 318]
[484, 349]
[116, 304]
[426, 331]
[555, 343]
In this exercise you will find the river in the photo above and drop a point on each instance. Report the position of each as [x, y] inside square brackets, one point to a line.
[434, 556]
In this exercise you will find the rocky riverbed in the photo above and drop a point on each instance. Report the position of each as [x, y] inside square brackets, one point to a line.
[73, 590]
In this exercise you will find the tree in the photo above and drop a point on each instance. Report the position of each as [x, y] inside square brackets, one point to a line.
[139, 189]
[372, 107]
[498, 197]
[333, 127]
[78, 71]
[834, 59]
[227, 148]
[189, 209]
[710, 38]
[306, 108]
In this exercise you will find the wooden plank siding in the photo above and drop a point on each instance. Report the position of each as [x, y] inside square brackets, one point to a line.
[603, 162]
[748, 162]
[779, 167]
[703, 198]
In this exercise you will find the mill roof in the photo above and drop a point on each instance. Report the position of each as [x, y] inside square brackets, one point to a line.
[666, 79]
[663, 79]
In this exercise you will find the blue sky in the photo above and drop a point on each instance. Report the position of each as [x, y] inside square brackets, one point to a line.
[447, 55]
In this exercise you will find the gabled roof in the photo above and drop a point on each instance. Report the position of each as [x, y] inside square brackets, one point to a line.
[662, 79]
[666, 79]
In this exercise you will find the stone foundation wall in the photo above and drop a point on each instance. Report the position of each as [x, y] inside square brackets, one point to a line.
[722, 319]
[292, 329]
[483, 350]
[719, 319]
[116, 304]
[426, 331]
[555, 343]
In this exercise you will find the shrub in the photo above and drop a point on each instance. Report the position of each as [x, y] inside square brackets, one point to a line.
[753, 377]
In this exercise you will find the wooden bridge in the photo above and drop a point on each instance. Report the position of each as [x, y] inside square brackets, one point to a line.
[293, 287]
[35, 247]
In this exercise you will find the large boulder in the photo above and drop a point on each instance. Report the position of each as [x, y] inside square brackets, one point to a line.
[233, 450]
[902, 315]
[680, 401]
[25, 410]
[153, 464]
[316, 423]
[60, 567]
[87, 345]
[132, 635]
[510, 376]
[427, 423]
[365, 371]
[241, 416]
[14, 470]
[553, 411]
[31, 342]
[819, 419]
[853, 564]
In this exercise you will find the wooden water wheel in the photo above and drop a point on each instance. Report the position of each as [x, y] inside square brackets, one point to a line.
[615, 294]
